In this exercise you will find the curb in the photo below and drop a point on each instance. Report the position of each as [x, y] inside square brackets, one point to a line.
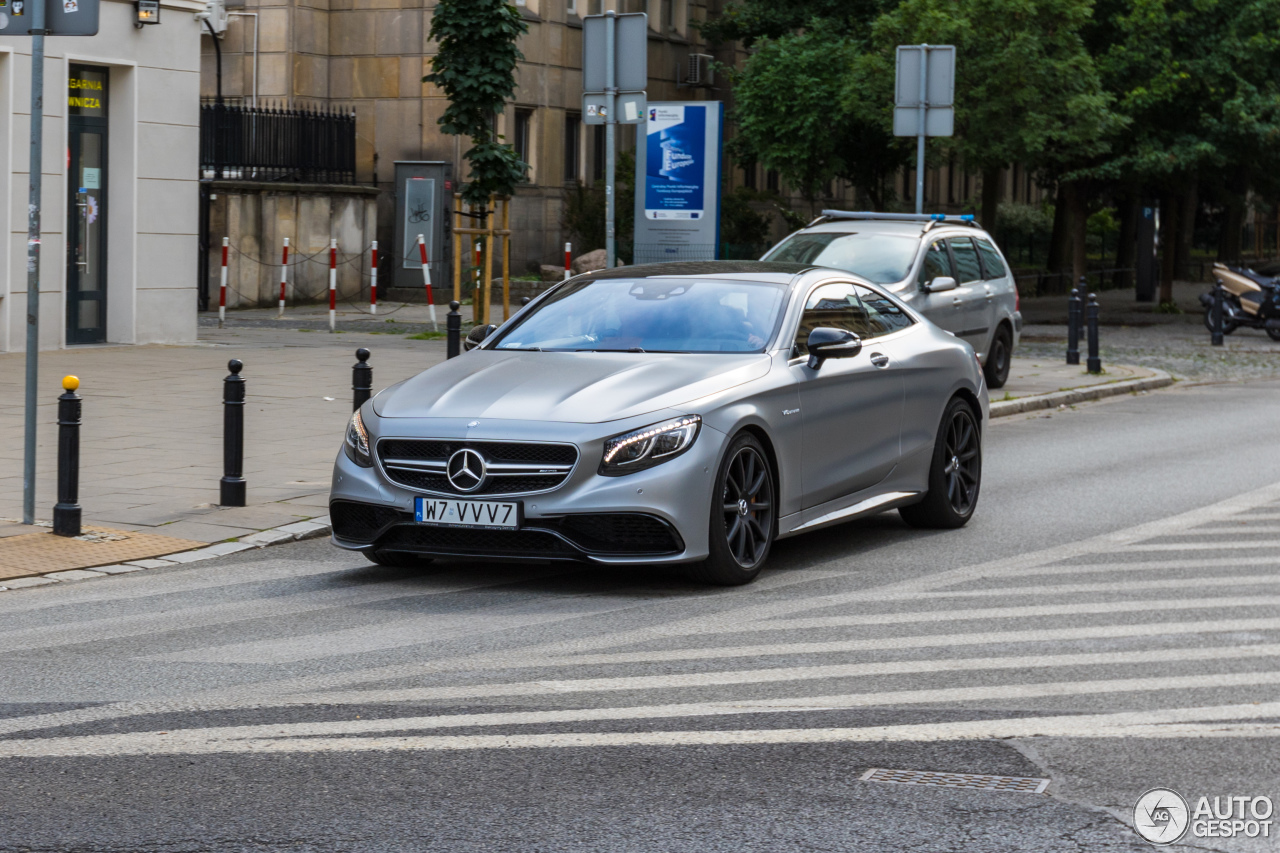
[1004, 408]
[311, 528]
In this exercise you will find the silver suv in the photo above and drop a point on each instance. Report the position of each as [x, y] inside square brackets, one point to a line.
[945, 267]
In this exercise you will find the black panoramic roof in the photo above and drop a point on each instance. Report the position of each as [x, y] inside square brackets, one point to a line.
[770, 270]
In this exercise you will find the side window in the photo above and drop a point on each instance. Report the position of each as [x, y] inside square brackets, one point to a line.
[967, 267]
[883, 313]
[850, 307]
[936, 263]
[991, 263]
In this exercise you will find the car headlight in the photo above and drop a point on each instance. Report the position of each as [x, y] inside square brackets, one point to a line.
[357, 443]
[648, 446]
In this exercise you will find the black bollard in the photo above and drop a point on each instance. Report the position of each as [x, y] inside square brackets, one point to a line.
[1215, 337]
[233, 486]
[361, 379]
[66, 514]
[1094, 364]
[453, 331]
[1074, 312]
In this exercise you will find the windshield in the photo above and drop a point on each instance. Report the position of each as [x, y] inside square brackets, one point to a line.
[880, 258]
[650, 315]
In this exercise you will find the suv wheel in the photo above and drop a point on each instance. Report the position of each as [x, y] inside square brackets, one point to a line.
[996, 370]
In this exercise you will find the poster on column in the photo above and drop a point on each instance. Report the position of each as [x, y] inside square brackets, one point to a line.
[678, 159]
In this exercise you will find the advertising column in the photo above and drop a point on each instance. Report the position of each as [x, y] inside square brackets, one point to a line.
[678, 171]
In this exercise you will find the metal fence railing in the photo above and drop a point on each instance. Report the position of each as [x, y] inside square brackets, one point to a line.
[276, 144]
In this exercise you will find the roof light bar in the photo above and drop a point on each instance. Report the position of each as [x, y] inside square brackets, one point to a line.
[898, 217]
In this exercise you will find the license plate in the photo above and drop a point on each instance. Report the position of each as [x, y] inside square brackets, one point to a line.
[450, 512]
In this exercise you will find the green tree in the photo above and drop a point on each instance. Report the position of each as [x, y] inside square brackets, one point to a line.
[1027, 90]
[790, 116]
[475, 67]
[1198, 82]
[749, 20]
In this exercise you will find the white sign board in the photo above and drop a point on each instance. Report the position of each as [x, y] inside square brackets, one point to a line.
[940, 75]
[938, 121]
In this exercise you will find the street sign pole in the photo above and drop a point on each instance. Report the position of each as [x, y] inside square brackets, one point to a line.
[610, 130]
[33, 262]
[920, 137]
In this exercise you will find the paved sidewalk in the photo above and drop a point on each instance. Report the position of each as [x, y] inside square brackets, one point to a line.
[151, 443]
[151, 440]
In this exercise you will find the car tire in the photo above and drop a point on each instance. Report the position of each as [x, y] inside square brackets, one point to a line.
[744, 514]
[955, 474]
[999, 358]
[397, 559]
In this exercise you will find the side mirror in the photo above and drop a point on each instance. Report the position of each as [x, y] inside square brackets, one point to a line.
[476, 336]
[940, 284]
[825, 342]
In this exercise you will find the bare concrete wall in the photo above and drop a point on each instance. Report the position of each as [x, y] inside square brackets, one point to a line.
[258, 216]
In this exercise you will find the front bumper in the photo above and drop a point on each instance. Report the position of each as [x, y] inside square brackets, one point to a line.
[660, 515]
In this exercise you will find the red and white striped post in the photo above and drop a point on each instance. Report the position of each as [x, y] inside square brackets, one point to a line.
[373, 279]
[333, 284]
[568, 259]
[284, 273]
[222, 288]
[426, 281]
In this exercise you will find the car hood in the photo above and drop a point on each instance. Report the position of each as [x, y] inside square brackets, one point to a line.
[581, 387]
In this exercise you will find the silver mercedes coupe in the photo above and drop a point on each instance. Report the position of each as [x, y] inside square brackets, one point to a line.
[675, 413]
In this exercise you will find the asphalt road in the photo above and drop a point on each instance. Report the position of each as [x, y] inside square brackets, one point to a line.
[1110, 621]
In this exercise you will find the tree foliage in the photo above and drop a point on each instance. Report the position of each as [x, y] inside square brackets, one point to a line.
[1027, 90]
[475, 68]
[750, 20]
[788, 108]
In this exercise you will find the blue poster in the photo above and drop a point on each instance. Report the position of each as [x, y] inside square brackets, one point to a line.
[675, 165]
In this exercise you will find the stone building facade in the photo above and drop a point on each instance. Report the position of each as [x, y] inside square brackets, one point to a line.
[120, 168]
[372, 55]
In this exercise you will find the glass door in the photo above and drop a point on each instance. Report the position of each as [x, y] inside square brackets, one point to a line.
[87, 207]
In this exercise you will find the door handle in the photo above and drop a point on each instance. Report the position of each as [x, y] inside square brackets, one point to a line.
[879, 359]
[956, 302]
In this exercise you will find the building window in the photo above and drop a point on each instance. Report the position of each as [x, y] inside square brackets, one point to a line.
[522, 138]
[771, 181]
[749, 175]
[594, 7]
[572, 143]
[571, 6]
[597, 158]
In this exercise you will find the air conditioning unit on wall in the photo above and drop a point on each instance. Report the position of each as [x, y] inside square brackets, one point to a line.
[696, 72]
[215, 12]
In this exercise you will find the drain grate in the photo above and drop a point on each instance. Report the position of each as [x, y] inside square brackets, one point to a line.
[972, 781]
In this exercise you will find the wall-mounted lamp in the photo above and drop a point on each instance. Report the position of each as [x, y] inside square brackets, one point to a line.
[148, 13]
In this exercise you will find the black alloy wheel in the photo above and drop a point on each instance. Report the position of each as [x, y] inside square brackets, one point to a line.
[963, 461]
[743, 515]
[996, 370]
[955, 475]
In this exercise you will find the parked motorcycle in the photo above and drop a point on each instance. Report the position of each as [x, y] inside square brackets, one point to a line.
[1250, 300]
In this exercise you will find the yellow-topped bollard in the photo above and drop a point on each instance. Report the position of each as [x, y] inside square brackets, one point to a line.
[66, 513]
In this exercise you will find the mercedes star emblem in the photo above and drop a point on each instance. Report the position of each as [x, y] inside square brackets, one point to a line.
[466, 470]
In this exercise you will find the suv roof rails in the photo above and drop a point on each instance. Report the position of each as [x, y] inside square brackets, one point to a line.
[931, 219]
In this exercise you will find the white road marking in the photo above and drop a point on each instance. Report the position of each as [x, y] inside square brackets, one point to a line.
[1075, 588]
[1259, 544]
[951, 615]
[775, 675]
[187, 618]
[1179, 722]
[1145, 566]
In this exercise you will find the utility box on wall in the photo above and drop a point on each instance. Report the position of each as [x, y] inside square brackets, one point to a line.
[423, 205]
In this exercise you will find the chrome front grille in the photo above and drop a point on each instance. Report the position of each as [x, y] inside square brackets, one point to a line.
[511, 467]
